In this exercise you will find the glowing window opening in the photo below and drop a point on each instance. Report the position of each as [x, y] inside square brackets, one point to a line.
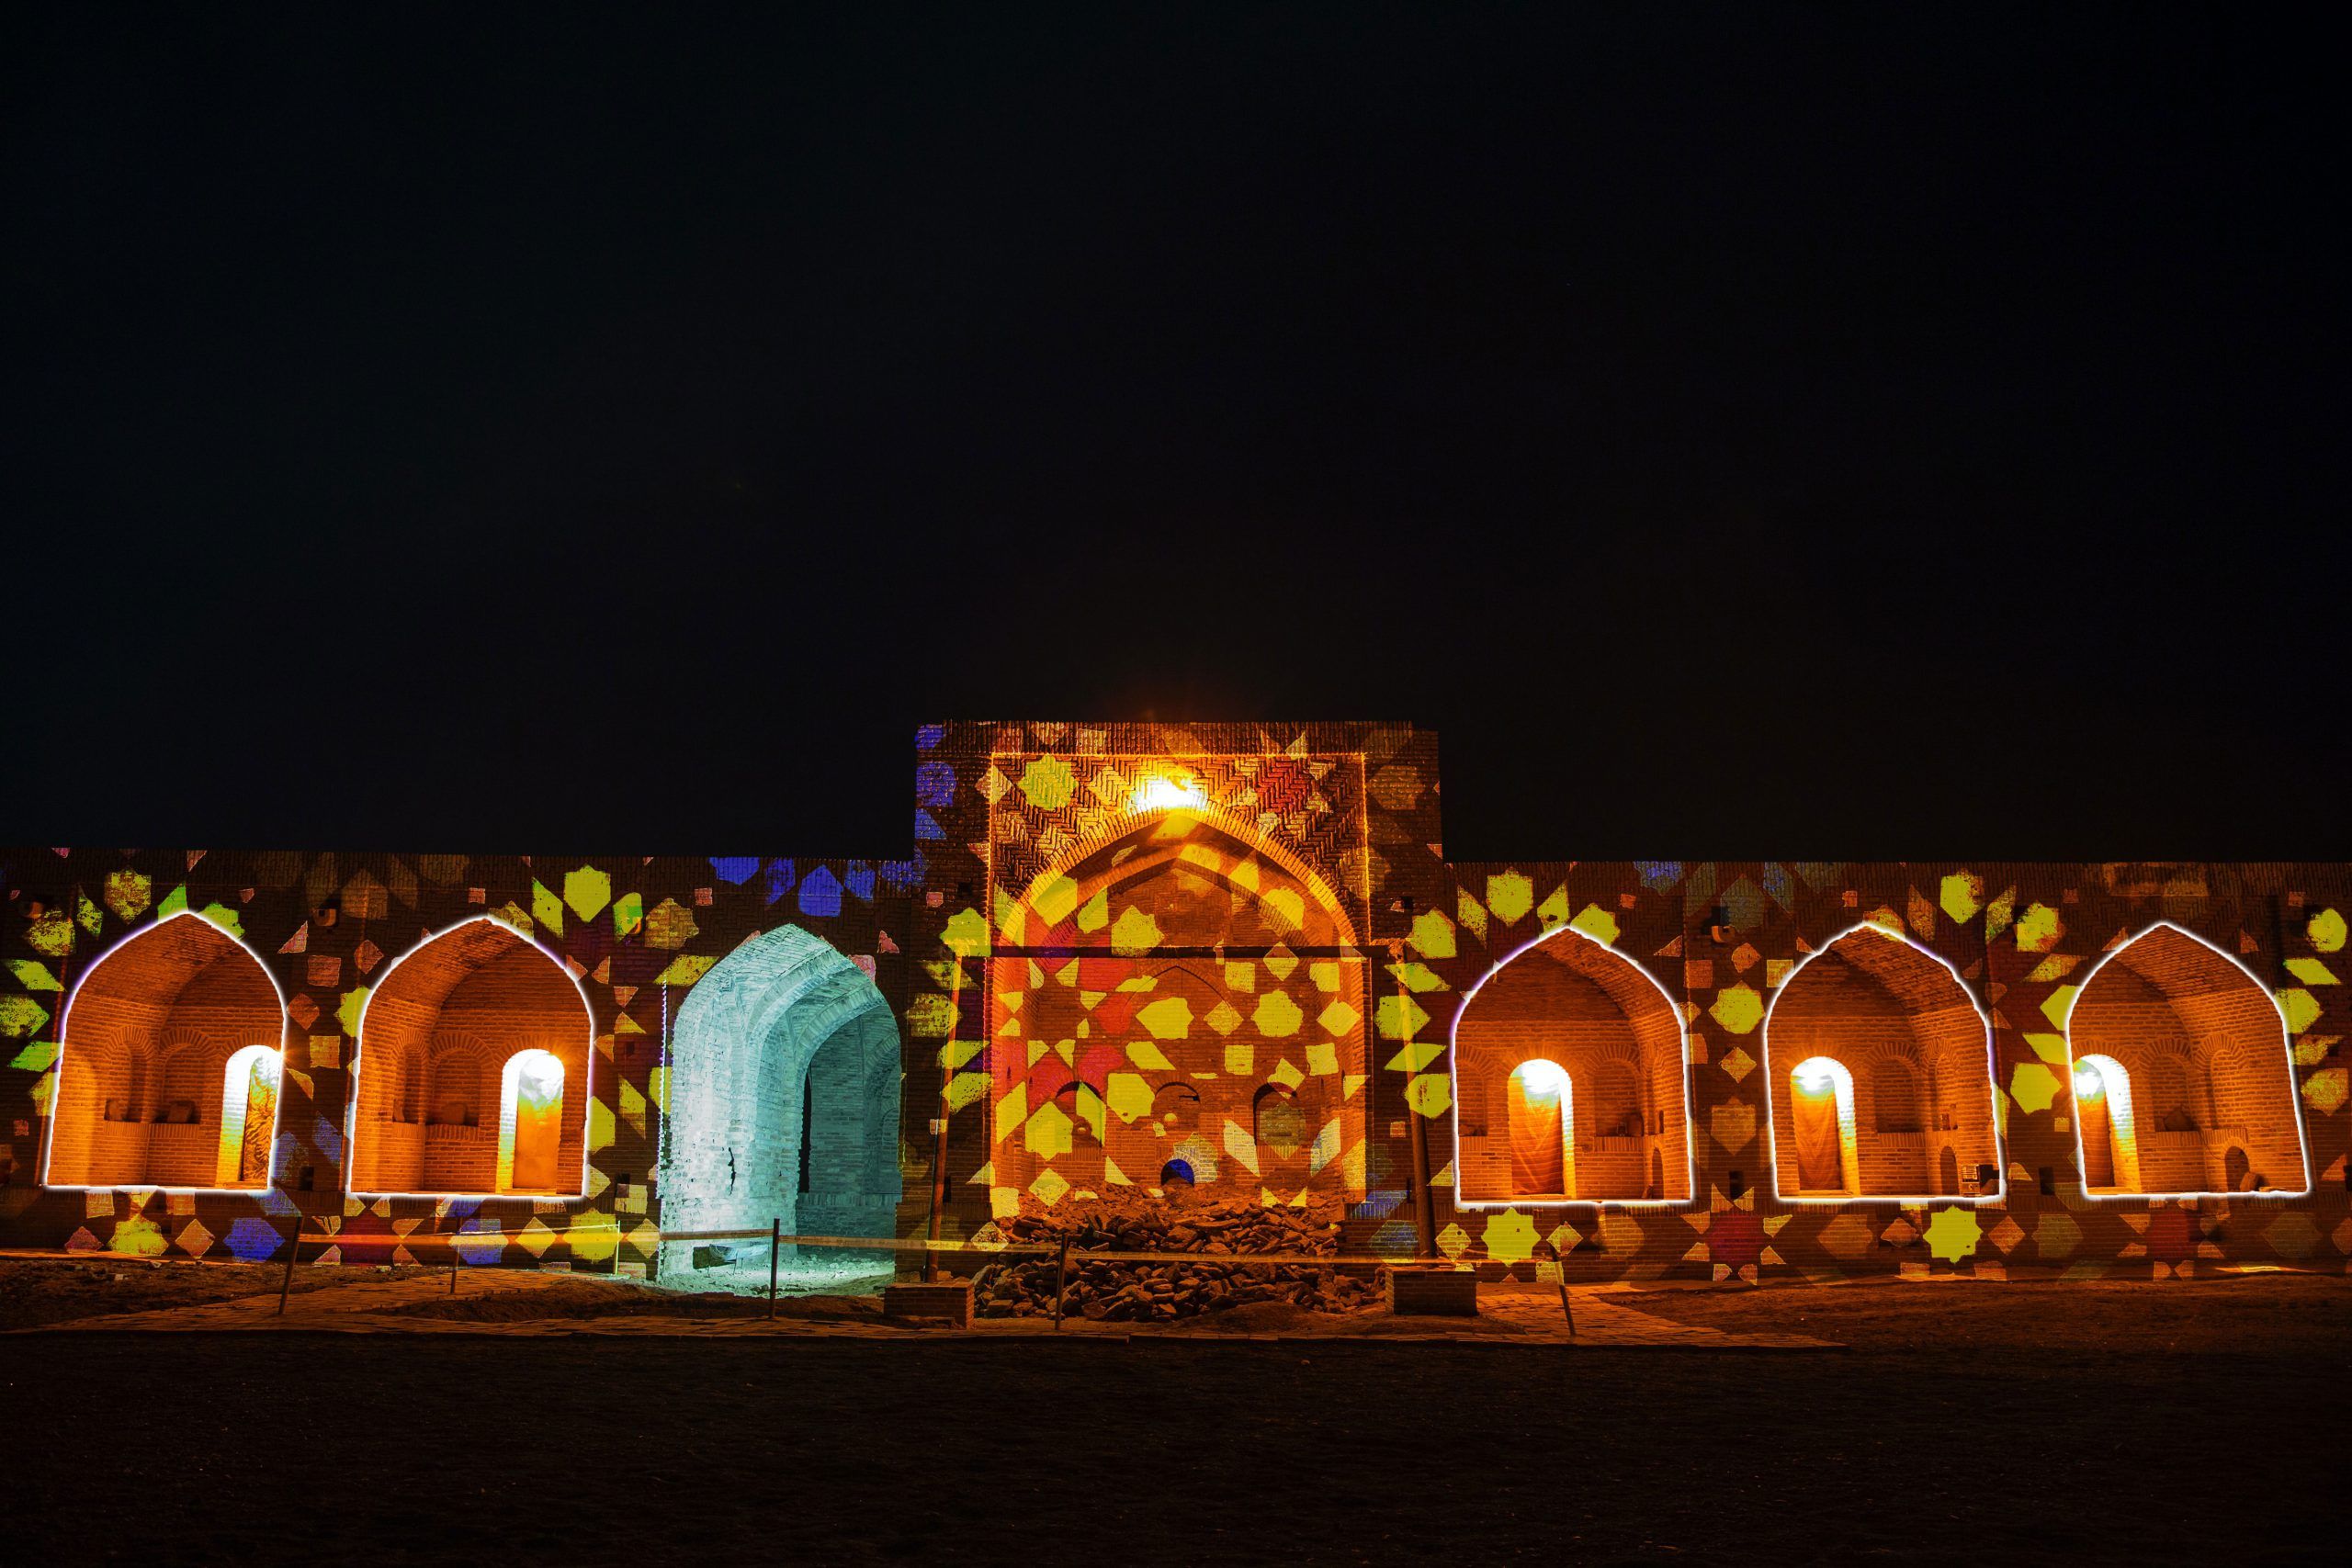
[1821, 1100]
[2103, 1092]
[530, 1122]
[1540, 1109]
[250, 1082]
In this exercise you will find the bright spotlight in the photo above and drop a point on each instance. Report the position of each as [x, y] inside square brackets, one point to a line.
[1544, 1079]
[2089, 1084]
[1169, 794]
[1815, 1075]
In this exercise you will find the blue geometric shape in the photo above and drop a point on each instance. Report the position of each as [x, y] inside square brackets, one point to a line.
[778, 881]
[821, 894]
[930, 734]
[273, 1202]
[1658, 875]
[254, 1241]
[926, 825]
[1780, 885]
[1381, 1203]
[901, 875]
[328, 1139]
[934, 784]
[479, 1246]
[1394, 1239]
[734, 869]
[860, 877]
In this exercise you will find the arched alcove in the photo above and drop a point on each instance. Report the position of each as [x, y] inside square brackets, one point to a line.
[1179, 950]
[1614, 1040]
[1877, 1040]
[441, 1078]
[2190, 1055]
[784, 1073]
[144, 1060]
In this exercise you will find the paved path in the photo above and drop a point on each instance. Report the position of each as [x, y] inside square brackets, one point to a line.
[1605, 1317]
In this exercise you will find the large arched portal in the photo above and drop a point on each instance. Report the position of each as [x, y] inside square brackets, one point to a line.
[2183, 1083]
[168, 1066]
[473, 1075]
[1880, 1067]
[1569, 1081]
[783, 1106]
[1182, 994]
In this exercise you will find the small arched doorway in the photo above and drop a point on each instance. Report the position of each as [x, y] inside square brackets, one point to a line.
[2108, 1124]
[248, 1117]
[1543, 1161]
[1821, 1101]
[530, 1122]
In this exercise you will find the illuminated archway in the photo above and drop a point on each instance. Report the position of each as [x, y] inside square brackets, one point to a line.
[1611, 1039]
[2107, 1126]
[785, 1074]
[1181, 949]
[1875, 1049]
[451, 1070]
[2190, 1056]
[144, 1063]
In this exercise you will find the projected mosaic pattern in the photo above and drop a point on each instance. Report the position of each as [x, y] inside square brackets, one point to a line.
[1130, 957]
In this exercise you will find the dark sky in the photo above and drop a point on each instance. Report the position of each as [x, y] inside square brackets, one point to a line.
[1787, 431]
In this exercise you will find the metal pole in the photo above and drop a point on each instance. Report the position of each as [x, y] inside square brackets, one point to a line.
[775, 1256]
[453, 1264]
[1061, 1283]
[286, 1281]
[1566, 1309]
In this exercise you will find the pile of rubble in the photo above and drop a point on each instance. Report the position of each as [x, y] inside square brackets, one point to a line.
[1202, 1233]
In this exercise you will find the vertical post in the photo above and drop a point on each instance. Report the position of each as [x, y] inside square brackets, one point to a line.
[1561, 1262]
[286, 1281]
[453, 1263]
[775, 1256]
[939, 1119]
[1415, 1124]
[1061, 1283]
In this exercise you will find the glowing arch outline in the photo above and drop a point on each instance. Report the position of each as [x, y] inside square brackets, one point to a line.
[64, 1039]
[1453, 1088]
[2286, 1041]
[2000, 1193]
[359, 1065]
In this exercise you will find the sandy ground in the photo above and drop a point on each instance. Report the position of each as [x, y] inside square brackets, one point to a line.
[1969, 1422]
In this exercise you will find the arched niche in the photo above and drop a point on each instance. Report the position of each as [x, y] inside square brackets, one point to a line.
[144, 1059]
[441, 1044]
[2190, 1055]
[1615, 1038]
[1181, 949]
[1876, 1039]
[785, 1073]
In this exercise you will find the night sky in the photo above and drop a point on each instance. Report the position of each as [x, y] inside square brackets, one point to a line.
[1788, 431]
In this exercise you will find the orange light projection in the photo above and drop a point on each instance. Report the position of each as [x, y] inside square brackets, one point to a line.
[1541, 1158]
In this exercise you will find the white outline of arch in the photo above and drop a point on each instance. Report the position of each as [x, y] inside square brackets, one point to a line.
[65, 1035]
[1454, 1073]
[359, 1065]
[2286, 1040]
[2000, 1193]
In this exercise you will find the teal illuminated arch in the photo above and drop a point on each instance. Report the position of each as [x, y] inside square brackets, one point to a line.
[782, 1101]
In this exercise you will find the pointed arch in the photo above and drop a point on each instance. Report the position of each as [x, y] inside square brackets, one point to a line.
[1612, 1029]
[143, 1054]
[2204, 1055]
[1179, 947]
[439, 1039]
[784, 1073]
[1878, 1039]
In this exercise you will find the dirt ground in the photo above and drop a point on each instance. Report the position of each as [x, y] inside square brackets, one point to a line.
[2142, 1422]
